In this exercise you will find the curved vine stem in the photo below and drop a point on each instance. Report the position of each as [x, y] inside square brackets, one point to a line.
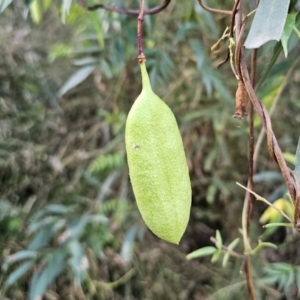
[291, 180]
[130, 12]
[273, 107]
[214, 10]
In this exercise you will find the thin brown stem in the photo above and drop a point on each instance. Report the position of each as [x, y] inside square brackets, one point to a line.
[239, 53]
[292, 182]
[215, 10]
[273, 108]
[239, 49]
[140, 29]
[249, 197]
[232, 21]
[249, 278]
[232, 252]
[130, 12]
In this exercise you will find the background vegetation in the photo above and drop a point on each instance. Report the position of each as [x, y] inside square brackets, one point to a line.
[70, 228]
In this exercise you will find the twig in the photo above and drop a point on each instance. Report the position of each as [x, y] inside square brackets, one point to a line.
[130, 12]
[250, 185]
[239, 54]
[267, 202]
[232, 21]
[232, 252]
[214, 10]
[141, 56]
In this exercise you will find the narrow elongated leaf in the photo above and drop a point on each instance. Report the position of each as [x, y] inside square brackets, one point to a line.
[276, 51]
[78, 260]
[20, 255]
[4, 4]
[216, 255]
[128, 243]
[233, 244]
[287, 31]
[36, 11]
[225, 259]
[41, 239]
[76, 228]
[65, 9]
[289, 157]
[228, 292]
[268, 23]
[19, 272]
[219, 239]
[28, 2]
[55, 264]
[75, 79]
[205, 251]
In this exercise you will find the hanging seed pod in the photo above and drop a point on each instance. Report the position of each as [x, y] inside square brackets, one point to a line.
[157, 165]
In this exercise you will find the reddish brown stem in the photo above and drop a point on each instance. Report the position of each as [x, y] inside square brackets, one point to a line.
[273, 147]
[249, 197]
[130, 12]
[214, 10]
[140, 31]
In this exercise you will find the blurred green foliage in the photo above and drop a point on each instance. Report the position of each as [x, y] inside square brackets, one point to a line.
[69, 224]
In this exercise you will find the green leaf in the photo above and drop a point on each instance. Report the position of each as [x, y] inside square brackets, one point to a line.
[36, 11]
[19, 272]
[41, 239]
[278, 225]
[4, 4]
[233, 244]
[65, 9]
[287, 31]
[288, 281]
[78, 261]
[107, 162]
[210, 194]
[268, 23]
[60, 208]
[289, 157]
[297, 163]
[128, 243]
[78, 77]
[228, 292]
[216, 255]
[19, 256]
[28, 2]
[219, 240]
[76, 228]
[225, 259]
[282, 267]
[267, 244]
[276, 51]
[205, 251]
[97, 22]
[40, 281]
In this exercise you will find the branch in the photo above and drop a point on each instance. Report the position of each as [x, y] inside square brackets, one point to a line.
[232, 21]
[130, 12]
[214, 10]
[291, 180]
[225, 248]
[140, 20]
[273, 107]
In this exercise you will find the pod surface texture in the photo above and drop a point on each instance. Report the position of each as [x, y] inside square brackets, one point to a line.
[157, 165]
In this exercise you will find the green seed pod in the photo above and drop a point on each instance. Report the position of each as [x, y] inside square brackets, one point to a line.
[157, 165]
